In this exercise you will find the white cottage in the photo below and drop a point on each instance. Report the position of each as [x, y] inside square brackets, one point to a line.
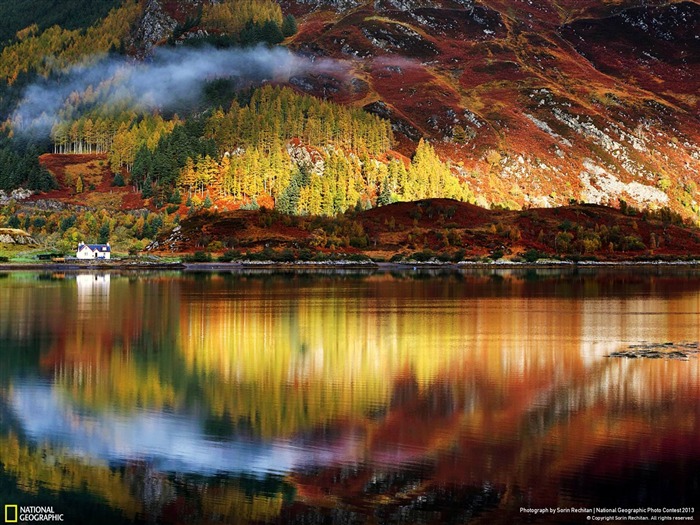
[93, 251]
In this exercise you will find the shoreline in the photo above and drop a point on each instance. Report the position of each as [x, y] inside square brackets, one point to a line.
[342, 265]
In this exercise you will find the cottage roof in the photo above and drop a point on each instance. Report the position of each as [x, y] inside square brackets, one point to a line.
[96, 247]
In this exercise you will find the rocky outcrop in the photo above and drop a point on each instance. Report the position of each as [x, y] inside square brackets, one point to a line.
[338, 5]
[169, 243]
[19, 194]
[155, 26]
[305, 157]
[15, 236]
[52, 205]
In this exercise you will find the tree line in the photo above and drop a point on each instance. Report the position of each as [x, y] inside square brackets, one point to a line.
[65, 228]
[337, 182]
[236, 23]
[274, 115]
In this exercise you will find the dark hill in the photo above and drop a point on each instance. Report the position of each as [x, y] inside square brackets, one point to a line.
[443, 228]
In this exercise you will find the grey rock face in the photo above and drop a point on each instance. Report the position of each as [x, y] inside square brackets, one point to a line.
[155, 26]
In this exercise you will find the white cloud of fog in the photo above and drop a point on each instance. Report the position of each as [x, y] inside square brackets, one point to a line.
[171, 76]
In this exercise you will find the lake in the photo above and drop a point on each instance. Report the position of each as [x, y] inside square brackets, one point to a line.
[350, 397]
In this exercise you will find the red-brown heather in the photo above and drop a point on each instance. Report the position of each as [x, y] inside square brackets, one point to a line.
[536, 102]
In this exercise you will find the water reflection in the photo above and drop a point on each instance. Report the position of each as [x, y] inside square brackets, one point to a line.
[236, 397]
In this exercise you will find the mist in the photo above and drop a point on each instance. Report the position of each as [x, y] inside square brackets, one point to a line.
[170, 78]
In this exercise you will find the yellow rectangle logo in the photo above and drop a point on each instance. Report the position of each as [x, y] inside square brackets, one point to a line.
[10, 513]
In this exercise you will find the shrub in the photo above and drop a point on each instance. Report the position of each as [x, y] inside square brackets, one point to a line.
[562, 241]
[423, 256]
[664, 184]
[199, 257]
[630, 242]
[360, 242]
[252, 205]
[135, 247]
[305, 254]
[533, 255]
[230, 255]
[356, 257]
[566, 226]
[285, 255]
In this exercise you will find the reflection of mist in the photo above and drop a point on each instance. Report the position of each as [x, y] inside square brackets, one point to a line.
[169, 442]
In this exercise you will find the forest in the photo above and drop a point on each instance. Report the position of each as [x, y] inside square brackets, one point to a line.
[20, 14]
[297, 153]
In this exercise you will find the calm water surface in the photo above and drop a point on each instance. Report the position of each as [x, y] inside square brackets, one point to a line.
[346, 398]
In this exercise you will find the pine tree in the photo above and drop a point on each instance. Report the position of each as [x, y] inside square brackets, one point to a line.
[459, 135]
[386, 195]
[289, 26]
[104, 233]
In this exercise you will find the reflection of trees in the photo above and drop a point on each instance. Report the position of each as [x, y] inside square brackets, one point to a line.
[582, 432]
[619, 414]
[453, 389]
[137, 491]
[46, 468]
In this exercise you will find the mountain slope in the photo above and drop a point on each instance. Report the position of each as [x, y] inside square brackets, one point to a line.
[540, 102]
[535, 104]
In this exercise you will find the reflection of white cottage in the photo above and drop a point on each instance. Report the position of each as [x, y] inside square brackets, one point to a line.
[93, 295]
[93, 251]
[91, 285]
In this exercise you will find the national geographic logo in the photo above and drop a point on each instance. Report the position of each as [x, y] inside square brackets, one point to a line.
[17, 514]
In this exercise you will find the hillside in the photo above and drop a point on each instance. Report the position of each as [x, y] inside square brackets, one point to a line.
[438, 229]
[90, 174]
[320, 107]
[536, 103]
